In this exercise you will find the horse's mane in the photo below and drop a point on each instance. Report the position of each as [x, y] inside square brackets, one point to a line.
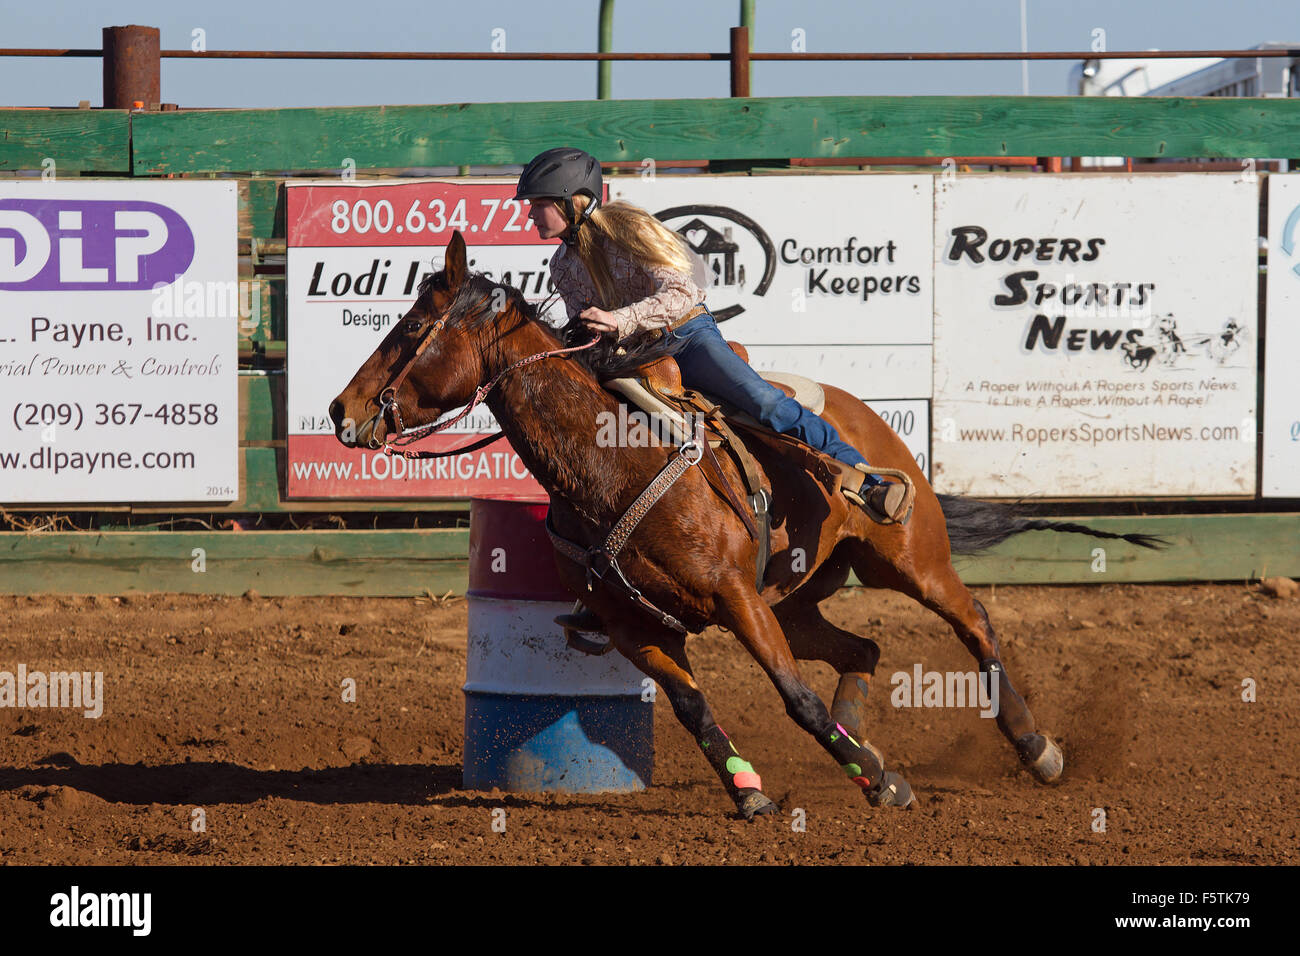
[479, 300]
[473, 308]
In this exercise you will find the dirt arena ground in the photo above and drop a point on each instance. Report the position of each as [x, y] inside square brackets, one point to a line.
[232, 705]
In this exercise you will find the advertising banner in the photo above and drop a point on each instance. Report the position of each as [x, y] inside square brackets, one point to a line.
[119, 311]
[1095, 335]
[830, 276]
[357, 253]
[812, 289]
[1281, 471]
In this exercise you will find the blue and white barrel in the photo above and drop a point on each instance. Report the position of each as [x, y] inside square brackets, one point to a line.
[539, 716]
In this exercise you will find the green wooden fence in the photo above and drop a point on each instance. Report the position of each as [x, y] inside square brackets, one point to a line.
[395, 563]
[718, 129]
[90, 142]
[260, 148]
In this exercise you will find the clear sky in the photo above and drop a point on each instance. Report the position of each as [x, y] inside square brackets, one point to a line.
[570, 25]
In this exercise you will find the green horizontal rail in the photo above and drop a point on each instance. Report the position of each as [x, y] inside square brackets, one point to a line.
[1202, 548]
[385, 137]
[271, 562]
[78, 141]
[406, 562]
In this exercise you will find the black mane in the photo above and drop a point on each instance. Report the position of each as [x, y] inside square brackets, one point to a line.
[472, 308]
[611, 359]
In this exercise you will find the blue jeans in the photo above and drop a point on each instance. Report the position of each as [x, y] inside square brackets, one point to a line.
[708, 364]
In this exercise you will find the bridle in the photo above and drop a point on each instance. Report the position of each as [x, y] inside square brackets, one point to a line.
[387, 397]
[398, 436]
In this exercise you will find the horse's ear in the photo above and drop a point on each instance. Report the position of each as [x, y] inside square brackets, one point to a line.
[455, 268]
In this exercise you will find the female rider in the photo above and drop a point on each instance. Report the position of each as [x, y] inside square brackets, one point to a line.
[645, 276]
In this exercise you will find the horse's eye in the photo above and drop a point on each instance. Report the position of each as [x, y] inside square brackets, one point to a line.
[411, 326]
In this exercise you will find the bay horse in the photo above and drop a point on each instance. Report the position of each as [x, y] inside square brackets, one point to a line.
[691, 555]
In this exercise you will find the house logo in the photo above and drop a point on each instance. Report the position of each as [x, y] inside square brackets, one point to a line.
[1289, 232]
[739, 254]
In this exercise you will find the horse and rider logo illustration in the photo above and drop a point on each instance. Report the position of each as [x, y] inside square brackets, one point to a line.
[1173, 349]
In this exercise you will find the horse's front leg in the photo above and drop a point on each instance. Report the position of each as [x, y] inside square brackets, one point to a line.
[660, 654]
[756, 626]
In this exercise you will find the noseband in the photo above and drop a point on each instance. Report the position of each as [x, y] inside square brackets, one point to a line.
[387, 398]
[392, 414]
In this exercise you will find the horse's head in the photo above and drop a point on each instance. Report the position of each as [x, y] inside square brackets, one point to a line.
[431, 360]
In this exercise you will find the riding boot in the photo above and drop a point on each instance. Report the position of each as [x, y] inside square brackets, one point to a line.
[585, 620]
[884, 502]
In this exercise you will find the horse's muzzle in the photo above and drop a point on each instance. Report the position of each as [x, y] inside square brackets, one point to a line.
[360, 434]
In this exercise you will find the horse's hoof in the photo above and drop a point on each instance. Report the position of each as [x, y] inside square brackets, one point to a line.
[1042, 755]
[874, 751]
[892, 791]
[756, 805]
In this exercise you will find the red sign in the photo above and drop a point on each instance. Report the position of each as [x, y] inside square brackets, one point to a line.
[321, 467]
[357, 251]
[407, 214]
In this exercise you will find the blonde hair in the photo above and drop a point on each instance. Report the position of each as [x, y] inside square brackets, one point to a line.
[641, 235]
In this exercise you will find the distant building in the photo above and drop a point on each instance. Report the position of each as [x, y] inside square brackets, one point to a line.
[1239, 76]
[1203, 76]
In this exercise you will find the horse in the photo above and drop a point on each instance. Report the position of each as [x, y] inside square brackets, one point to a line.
[1138, 356]
[1221, 347]
[692, 555]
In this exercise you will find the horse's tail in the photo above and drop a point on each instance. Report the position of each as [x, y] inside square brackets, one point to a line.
[975, 526]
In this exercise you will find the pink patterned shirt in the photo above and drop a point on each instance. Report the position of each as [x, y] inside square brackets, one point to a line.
[648, 298]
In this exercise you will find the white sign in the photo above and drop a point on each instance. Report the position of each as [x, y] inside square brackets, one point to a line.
[828, 276]
[910, 418]
[910, 421]
[840, 265]
[118, 342]
[357, 253]
[1281, 472]
[1094, 335]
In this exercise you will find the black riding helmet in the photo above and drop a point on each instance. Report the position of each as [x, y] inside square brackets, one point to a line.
[562, 174]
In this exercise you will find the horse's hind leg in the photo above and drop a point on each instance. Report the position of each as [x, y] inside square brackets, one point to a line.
[942, 591]
[662, 657]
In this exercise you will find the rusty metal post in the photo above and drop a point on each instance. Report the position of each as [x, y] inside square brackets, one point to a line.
[132, 67]
[740, 61]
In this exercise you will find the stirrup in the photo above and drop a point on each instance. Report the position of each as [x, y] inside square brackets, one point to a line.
[902, 513]
[582, 619]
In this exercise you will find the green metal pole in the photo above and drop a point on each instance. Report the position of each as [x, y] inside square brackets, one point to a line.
[604, 42]
[747, 20]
